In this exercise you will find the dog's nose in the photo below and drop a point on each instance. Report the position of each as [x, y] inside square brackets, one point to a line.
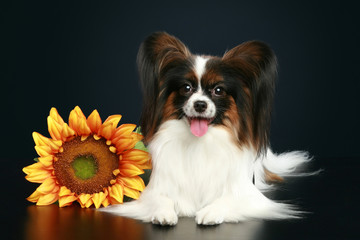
[200, 106]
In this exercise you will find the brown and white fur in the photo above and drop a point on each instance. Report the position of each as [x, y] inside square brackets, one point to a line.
[206, 122]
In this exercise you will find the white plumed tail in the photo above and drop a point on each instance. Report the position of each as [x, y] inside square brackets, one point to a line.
[135, 209]
[287, 164]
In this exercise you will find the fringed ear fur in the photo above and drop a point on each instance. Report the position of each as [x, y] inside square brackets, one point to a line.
[155, 54]
[255, 65]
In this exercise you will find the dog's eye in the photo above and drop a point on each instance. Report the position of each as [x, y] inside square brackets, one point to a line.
[218, 91]
[186, 89]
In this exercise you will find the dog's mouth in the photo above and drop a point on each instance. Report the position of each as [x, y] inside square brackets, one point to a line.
[199, 126]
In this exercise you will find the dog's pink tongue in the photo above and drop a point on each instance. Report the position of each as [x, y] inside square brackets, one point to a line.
[198, 126]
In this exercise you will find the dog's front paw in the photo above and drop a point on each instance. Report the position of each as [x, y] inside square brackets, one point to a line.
[165, 217]
[209, 215]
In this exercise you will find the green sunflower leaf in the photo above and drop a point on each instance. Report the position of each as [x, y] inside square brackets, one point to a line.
[138, 130]
[140, 145]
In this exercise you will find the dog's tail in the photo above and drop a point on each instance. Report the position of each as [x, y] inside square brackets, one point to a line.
[136, 209]
[274, 167]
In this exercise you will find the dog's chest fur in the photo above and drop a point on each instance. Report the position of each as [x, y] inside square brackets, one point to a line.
[196, 170]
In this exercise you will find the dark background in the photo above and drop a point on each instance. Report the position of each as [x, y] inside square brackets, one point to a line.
[62, 54]
[83, 53]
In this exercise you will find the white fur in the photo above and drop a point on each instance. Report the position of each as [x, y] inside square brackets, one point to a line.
[190, 111]
[200, 63]
[188, 108]
[209, 178]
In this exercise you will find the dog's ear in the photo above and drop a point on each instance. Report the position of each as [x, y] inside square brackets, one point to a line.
[255, 65]
[157, 53]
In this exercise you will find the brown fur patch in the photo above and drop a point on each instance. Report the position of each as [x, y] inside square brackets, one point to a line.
[169, 109]
[191, 76]
[211, 77]
[231, 120]
[168, 51]
[165, 41]
[272, 177]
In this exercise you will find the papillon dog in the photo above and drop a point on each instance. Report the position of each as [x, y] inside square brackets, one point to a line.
[206, 122]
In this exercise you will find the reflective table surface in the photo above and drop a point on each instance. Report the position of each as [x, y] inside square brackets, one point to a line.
[330, 198]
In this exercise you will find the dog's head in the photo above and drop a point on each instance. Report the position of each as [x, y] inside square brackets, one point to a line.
[234, 91]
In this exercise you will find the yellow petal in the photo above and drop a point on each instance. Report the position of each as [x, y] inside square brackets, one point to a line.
[107, 130]
[133, 182]
[36, 173]
[36, 167]
[38, 177]
[113, 200]
[124, 130]
[73, 120]
[40, 140]
[94, 121]
[64, 191]
[133, 135]
[47, 186]
[77, 111]
[98, 198]
[43, 151]
[146, 165]
[116, 192]
[130, 170]
[128, 142]
[66, 200]
[84, 128]
[67, 132]
[77, 122]
[106, 202]
[114, 119]
[83, 199]
[54, 128]
[47, 161]
[131, 192]
[55, 115]
[33, 167]
[34, 197]
[137, 156]
[55, 145]
[47, 199]
[89, 203]
[123, 143]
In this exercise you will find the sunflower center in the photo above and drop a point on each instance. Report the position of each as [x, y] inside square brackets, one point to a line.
[85, 167]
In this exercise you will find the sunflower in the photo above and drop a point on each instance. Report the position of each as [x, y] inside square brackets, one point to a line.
[87, 161]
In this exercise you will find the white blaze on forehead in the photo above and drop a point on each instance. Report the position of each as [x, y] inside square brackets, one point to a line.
[199, 69]
[199, 66]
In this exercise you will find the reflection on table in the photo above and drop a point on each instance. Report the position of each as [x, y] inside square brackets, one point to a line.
[52, 222]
